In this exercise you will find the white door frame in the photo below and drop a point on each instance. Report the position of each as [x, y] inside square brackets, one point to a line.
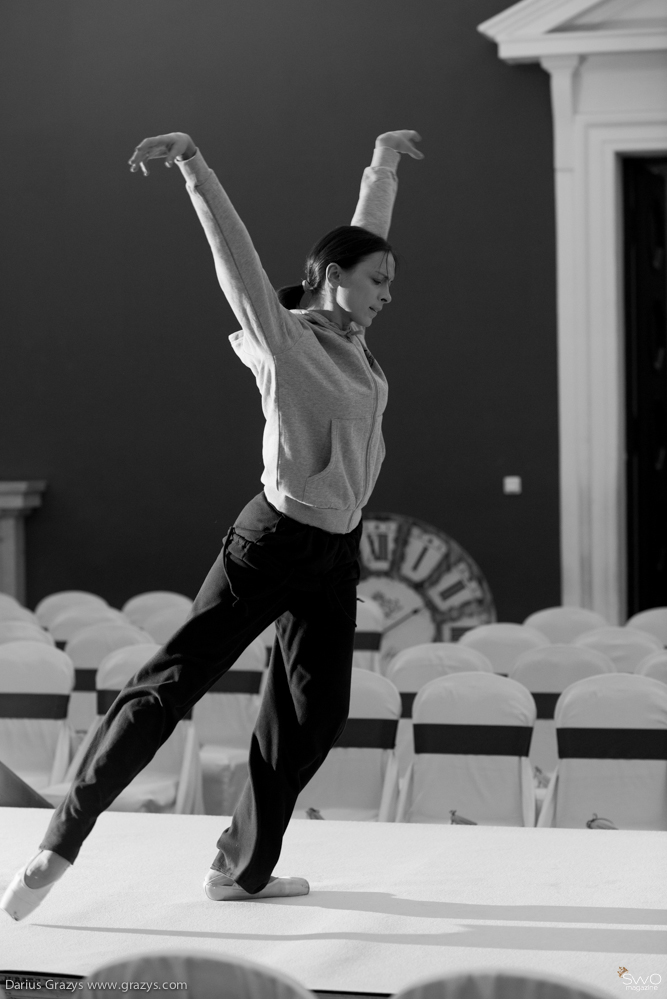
[579, 42]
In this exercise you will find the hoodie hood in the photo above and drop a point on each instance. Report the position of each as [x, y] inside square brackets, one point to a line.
[315, 318]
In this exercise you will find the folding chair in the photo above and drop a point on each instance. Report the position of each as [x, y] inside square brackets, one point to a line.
[224, 719]
[546, 673]
[505, 984]
[502, 644]
[368, 634]
[626, 647]
[88, 648]
[171, 781]
[472, 736]
[654, 665]
[612, 749]
[23, 631]
[207, 976]
[412, 668]
[35, 684]
[50, 607]
[562, 625]
[138, 609]
[64, 627]
[654, 621]
[359, 778]
[163, 624]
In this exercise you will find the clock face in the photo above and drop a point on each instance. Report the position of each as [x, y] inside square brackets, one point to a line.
[428, 587]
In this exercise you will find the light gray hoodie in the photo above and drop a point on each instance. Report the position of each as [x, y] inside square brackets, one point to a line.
[322, 397]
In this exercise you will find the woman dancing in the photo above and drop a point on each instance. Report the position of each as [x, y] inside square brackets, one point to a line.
[292, 554]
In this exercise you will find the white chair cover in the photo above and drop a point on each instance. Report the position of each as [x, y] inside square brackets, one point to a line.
[626, 647]
[171, 781]
[507, 984]
[65, 626]
[14, 612]
[36, 749]
[138, 609]
[654, 621]
[546, 672]
[50, 607]
[654, 665]
[23, 631]
[631, 791]
[268, 637]
[482, 787]
[87, 649]
[163, 624]
[502, 644]
[359, 782]
[207, 976]
[562, 625]
[368, 634]
[412, 668]
[224, 721]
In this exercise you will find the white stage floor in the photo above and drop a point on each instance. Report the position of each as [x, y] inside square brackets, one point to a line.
[389, 903]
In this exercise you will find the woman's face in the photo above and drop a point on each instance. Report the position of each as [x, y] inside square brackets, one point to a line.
[363, 290]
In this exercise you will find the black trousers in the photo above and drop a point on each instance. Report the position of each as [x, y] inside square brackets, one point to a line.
[271, 568]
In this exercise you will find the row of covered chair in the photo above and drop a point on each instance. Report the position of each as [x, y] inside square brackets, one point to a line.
[471, 736]
[204, 972]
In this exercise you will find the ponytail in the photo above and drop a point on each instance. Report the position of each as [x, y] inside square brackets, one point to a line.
[290, 295]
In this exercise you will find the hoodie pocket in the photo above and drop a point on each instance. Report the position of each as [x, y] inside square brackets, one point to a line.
[341, 485]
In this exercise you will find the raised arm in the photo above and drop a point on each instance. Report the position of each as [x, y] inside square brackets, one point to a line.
[242, 278]
[379, 182]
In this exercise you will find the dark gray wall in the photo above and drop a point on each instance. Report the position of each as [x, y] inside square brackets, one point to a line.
[118, 385]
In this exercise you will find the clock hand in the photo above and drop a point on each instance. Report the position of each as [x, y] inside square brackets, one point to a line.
[395, 624]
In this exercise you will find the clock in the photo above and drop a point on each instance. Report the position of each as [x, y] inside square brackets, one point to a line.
[428, 587]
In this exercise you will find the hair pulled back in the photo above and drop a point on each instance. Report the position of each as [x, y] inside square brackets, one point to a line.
[346, 246]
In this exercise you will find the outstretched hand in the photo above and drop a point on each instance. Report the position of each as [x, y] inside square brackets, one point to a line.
[166, 147]
[403, 141]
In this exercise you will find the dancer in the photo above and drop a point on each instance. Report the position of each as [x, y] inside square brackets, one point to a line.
[292, 554]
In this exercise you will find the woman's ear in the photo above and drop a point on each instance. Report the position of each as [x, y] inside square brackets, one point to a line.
[333, 275]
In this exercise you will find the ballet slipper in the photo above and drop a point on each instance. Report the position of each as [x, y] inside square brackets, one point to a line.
[19, 900]
[220, 888]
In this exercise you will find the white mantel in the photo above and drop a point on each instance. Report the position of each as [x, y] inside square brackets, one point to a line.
[17, 500]
[608, 66]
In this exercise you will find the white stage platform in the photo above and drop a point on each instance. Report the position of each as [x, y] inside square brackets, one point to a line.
[389, 903]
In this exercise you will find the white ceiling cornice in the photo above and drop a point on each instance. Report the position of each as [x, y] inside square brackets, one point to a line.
[533, 29]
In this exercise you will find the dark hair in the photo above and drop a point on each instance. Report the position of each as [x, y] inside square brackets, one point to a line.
[346, 246]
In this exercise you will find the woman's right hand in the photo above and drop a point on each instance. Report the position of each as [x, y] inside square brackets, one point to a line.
[403, 141]
[168, 147]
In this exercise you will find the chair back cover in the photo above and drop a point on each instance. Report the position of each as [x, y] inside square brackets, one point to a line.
[654, 665]
[494, 984]
[612, 745]
[207, 976]
[626, 647]
[23, 631]
[654, 621]
[163, 624]
[546, 672]
[471, 711]
[227, 718]
[53, 605]
[171, 781]
[87, 649]
[15, 612]
[368, 634]
[563, 624]
[139, 608]
[357, 781]
[65, 626]
[502, 643]
[412, 668]
[36, 748]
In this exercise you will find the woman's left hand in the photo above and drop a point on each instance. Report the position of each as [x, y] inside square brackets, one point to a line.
[403, 141]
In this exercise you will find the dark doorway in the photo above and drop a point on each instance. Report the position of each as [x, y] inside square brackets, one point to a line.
[645, 218]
